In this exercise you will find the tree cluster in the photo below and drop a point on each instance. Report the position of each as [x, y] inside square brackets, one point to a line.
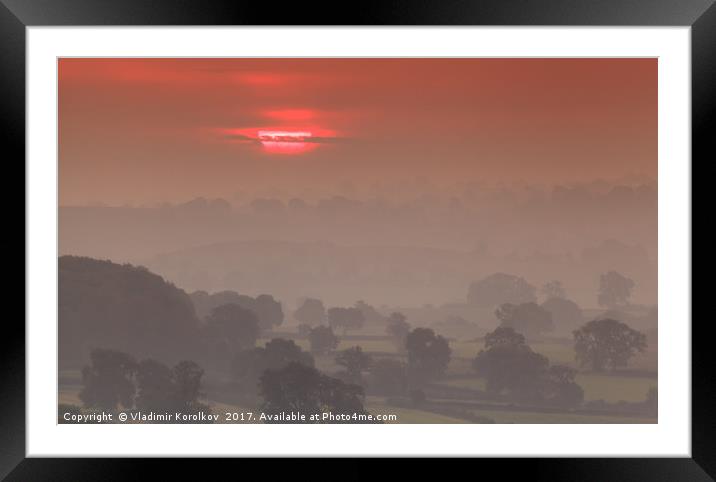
[512, 369]
[428, 355]
[303, 389]
[114, 379]
[249, 365]
[607, 344]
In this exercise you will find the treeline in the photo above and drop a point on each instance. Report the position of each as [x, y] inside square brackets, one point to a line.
[282, 377]
[115, 381]
[109, 311]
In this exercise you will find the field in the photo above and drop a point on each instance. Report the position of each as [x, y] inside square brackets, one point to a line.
[613, 388]
[628, 385]
[558, 351]
[505, 416]
[610, 388]
[374, 346]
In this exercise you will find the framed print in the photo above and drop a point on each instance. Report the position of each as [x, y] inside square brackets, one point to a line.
[434, 231]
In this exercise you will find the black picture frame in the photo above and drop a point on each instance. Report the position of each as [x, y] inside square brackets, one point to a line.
[16, 15]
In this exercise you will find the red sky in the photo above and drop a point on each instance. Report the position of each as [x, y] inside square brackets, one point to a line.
[149, 130]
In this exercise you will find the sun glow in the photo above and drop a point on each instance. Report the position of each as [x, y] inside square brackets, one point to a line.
[286, 142]
[282, 139]
[283, 136]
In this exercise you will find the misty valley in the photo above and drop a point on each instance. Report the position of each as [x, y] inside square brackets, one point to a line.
[358, 240]
[134, 345]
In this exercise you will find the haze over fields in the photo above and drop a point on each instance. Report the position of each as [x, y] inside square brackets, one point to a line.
[412, 253]
[420, 235]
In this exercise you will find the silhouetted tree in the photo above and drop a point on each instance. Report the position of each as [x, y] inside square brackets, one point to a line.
[527, 318]
[500, 288]
[124, 308]
[340, 397]
[169, 389]
[322, 340]
[566, 314]
[294, 387]
[510, 367]
[345, 318]
[265, 307]
[228, 329]
[250, 364]
[303, 389]
[428, 354]
[311, 312]
[234, 325]
[108, 380]
[560, 389]
[614, 289]
[607, 344]
[205, 302]
[187, 377]
[155, 387]
[388, 377]
[355, 362]
[370, 314]
[398, 329]
[514, 369]
[553, 289]
[160, 388]
[269, 311]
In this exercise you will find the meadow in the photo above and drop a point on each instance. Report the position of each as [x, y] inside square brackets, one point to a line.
[629, 385]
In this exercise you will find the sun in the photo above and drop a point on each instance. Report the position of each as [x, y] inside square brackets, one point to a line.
[282, 139]
[286, 142]
[283, 136]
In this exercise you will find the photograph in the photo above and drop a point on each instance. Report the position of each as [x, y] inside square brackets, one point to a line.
[411, 230]
[357, 240]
